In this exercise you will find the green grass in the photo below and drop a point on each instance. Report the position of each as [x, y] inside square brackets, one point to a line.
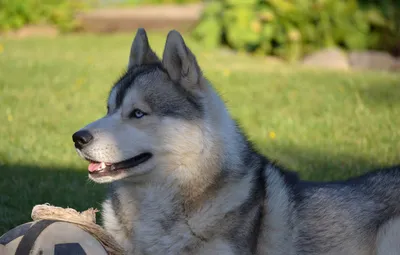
[328, 125]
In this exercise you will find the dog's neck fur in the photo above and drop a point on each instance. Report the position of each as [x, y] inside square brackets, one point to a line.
[210, 168]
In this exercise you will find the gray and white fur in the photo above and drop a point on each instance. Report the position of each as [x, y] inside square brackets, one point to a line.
[184, 179]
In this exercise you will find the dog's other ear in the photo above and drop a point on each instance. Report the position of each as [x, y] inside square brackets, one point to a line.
[181, 64]
[141, 53]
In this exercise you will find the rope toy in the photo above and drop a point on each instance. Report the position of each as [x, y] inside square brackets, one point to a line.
[85, 220]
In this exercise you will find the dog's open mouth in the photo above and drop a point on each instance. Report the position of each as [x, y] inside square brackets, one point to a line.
[101, 168]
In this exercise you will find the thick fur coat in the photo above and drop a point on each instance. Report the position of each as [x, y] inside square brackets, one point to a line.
[183, 178]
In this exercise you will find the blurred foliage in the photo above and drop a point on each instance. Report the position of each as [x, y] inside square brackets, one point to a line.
[16, 13]
[293, 28]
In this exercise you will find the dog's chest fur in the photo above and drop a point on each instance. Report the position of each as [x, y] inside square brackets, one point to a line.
[151, 220]
[144, 220]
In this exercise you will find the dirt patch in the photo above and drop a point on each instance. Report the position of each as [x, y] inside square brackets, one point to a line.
[180, 17]
[32, 31]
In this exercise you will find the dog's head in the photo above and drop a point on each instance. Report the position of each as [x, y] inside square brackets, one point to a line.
[155, 117]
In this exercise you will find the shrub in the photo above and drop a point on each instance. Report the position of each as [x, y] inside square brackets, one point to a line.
[291, 29]
[17, 13]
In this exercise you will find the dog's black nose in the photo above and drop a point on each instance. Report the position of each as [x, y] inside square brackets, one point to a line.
[82, 138]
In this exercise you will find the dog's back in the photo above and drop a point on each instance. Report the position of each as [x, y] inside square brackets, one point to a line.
[356, 216]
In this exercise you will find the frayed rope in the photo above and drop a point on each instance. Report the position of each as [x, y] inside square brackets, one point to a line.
[85, 220]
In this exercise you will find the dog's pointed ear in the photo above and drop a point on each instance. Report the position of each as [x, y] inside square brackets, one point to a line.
[141, 53]
[180, 63]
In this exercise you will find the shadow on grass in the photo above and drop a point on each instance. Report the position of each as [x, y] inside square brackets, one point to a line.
[323, 166]
[384, 94]
[24, 186]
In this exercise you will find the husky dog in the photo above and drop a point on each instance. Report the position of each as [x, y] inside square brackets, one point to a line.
[184, 179]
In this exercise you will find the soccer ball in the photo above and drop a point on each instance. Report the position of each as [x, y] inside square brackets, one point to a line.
[50, 237]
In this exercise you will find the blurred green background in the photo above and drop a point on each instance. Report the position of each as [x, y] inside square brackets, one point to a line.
[325, 124]
[288, 29]
[292, 29]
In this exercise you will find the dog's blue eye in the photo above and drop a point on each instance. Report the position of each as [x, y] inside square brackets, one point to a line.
[136, 113]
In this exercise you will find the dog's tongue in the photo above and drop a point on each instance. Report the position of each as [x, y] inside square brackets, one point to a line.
[93, 167]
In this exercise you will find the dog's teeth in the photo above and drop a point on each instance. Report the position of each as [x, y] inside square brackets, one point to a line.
[103, 165]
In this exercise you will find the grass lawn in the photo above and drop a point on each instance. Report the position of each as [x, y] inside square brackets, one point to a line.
[325, 124]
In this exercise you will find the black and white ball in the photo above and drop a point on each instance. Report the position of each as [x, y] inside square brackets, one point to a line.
[49, 237]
